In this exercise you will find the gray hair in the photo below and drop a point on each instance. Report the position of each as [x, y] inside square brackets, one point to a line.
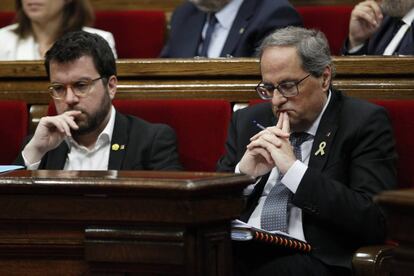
[311, 45]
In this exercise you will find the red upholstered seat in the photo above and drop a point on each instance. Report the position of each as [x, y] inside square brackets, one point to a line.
[138, 34]
[14, 124]
[331, 20]
[200, 125]
[6, 18]
[401, 113]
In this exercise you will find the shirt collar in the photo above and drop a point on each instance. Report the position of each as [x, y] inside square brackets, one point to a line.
[314, 127]
[103, 138]
[409, 17]
[226, 15]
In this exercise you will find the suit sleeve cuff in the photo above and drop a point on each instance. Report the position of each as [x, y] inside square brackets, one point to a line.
[294, 175]
[355, 49]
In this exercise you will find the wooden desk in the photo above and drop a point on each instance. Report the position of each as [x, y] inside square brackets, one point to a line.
[82, 223]
[399, 206]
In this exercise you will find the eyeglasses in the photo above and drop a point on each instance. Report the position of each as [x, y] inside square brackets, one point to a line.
[79, 88]
[287, 89]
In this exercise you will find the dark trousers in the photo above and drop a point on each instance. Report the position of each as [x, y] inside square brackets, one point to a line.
[256, 259]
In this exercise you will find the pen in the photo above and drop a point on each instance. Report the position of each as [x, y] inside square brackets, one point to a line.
[258, 125]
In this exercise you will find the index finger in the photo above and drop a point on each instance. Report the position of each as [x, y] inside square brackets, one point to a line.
[286, 123]
[279, 123]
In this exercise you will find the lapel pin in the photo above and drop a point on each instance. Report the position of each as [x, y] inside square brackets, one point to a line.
[241, 31]
[321, 150]
[328, 134]
[122, 147]
[115, 147]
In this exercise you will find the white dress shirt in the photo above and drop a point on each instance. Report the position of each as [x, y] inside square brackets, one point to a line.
[82, 158]
[407, 19]
[291, 179]
[225, 18]
[15, 48]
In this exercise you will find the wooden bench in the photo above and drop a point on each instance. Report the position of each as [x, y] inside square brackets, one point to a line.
[229, 79]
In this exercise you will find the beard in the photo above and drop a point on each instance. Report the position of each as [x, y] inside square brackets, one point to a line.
[210, 5]
[87, 122]
[397, 8]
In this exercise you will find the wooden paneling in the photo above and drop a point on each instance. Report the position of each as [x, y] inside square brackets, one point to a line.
[230, 79]
[118, 223]
[169, 5]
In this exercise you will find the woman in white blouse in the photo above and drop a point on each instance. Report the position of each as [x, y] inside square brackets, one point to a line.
[41, 22]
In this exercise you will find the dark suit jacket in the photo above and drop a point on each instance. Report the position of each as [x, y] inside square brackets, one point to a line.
[380, 40]
[255, 20]
[336, 192]
[147, 147]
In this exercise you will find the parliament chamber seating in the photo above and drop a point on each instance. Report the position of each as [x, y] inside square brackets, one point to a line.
[333, 21]
[200, 126]
[14, 121]
[138, 34]
[141, 33]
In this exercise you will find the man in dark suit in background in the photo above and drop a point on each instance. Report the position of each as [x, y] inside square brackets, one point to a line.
[88, 133]
[384, 28]
[222, 28]
[319, 158]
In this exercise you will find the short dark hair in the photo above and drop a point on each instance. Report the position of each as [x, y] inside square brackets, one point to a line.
[75, 45]
[76, 15]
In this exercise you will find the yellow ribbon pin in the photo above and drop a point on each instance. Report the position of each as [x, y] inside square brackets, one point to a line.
[321, 151]
[115, 147]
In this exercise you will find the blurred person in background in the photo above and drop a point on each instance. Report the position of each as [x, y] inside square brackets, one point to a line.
[381, 28]
[39, 23]
[225, 28]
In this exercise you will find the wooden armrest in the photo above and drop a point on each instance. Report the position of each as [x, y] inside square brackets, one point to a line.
[373, 260]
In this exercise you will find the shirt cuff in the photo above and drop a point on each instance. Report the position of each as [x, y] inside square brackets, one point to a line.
[31, 167]
[249, 189]
[355, 49]
[294, 175]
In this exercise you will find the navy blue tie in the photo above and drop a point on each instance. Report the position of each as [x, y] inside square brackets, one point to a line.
[212, 21]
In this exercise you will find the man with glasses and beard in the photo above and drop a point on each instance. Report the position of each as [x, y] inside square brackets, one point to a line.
[225, 28]
[381, 28]
[88, 133]
[319, 158]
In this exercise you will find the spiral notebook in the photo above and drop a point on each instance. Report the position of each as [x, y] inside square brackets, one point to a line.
[241, 231]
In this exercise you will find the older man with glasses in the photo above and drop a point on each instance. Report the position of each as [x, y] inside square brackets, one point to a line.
[88, 133]
[319, 158]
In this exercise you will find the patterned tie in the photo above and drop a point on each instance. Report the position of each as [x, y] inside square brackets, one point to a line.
[275, 209]
[212, 21]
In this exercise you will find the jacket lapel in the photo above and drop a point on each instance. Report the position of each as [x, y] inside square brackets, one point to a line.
[242, 20]
[325, 133]
[119, 142]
